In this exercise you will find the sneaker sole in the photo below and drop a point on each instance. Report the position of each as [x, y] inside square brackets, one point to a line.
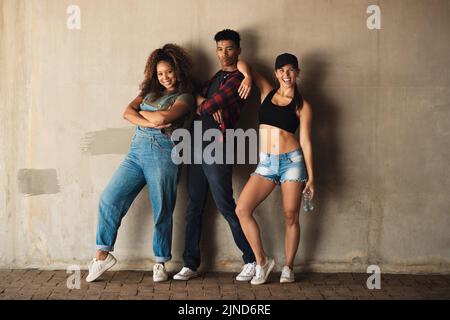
[108, 266]
[286, 281]
[244, 279]
[161, 280]
[186, 278]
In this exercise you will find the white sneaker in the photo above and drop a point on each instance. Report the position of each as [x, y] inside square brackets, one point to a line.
[185, 274]
[247, 273]
[262, 272]
[159, 273]
[287, 275]
[98, 267]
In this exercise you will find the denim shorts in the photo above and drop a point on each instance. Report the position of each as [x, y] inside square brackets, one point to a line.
[283, 167]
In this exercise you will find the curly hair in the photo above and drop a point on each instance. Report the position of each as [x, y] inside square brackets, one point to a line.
[180, 61]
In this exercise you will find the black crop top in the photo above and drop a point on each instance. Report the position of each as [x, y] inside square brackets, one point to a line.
[281, 117]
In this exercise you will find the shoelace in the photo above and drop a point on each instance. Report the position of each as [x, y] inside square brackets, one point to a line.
[95, 264]
[285, 273]
[248, 268]
[159, 269]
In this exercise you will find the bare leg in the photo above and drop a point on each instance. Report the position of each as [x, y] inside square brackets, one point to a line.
[101, 255]
[291, 194]
[255, 191]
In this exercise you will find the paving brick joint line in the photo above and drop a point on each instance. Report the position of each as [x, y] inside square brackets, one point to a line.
[34, 284]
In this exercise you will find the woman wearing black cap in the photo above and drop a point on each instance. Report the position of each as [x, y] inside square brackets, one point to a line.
[284, 160]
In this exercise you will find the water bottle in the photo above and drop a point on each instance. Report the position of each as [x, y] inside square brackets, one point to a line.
[307, 202]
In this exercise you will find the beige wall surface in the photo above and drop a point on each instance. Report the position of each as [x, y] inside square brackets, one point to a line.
[381, 127]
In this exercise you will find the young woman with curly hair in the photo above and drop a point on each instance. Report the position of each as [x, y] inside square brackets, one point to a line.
[164, 104]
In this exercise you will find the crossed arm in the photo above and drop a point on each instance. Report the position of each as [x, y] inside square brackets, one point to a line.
[154, 119]
[217, 102]
[132, 114]
[221, 99]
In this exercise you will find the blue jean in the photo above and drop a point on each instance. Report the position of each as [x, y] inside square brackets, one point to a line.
[147, 162]
[217, 178]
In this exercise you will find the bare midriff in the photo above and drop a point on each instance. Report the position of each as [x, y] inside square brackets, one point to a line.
[274, 140]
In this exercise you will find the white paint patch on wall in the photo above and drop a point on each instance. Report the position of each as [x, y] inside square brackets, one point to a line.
[33, 182]
[108, 141]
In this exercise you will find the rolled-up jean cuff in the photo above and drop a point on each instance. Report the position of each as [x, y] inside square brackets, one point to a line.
[162, 259]
[105, 248]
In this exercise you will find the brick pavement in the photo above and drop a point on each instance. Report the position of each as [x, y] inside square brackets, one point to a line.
[138, 285]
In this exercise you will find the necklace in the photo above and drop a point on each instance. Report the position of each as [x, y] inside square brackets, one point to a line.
[286, 96]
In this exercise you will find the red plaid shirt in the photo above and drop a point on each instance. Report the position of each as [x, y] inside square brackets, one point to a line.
[227, 99]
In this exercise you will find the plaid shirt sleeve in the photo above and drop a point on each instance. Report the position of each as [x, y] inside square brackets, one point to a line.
[227, 95]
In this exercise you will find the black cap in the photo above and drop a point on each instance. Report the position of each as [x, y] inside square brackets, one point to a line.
[284, 59]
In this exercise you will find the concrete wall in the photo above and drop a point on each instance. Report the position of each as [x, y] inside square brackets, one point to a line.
[381, 128]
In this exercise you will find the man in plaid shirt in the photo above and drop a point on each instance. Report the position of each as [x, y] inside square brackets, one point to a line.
[218, 108]
[226, 102]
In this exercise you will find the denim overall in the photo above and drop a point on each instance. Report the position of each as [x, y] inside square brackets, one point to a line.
[148, 162]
